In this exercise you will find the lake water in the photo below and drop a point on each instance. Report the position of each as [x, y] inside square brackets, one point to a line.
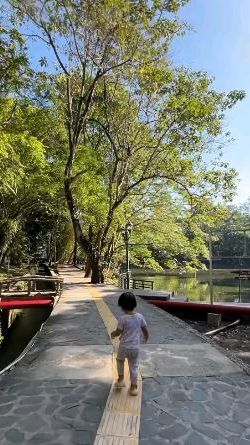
[225, 286]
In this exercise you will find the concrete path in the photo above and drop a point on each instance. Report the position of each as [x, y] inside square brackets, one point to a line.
[192, 393]
[57, 393]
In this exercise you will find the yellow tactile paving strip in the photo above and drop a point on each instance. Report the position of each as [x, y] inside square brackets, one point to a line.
[120, 423]
[111, 440]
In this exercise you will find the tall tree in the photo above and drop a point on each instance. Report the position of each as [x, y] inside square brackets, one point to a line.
[145, 123]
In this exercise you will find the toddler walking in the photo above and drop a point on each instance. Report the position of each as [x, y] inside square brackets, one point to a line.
[129, 328]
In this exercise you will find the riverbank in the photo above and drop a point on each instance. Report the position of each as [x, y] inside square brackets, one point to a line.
[236, 340]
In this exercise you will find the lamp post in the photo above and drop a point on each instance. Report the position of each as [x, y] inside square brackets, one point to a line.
[126, 235]
[211, 290]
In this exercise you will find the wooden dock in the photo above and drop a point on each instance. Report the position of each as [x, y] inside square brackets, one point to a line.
[159, 295]
[152, 294]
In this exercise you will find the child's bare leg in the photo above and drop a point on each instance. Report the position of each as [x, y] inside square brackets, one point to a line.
[133, 363]
[120, 370]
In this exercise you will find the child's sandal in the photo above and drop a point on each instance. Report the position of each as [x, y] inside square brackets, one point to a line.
[133, 391]
[120, 384]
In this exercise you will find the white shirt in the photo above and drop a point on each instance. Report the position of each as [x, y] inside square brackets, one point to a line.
[131, 325]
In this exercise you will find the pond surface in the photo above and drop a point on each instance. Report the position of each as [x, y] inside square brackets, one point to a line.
[21, 333]
[225, 286]
[24, 328]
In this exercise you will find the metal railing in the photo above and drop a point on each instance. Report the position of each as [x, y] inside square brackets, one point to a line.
[134, 283]
[6, 285]
[143, 284]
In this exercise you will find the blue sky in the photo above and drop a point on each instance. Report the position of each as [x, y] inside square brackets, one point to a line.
[220, 45]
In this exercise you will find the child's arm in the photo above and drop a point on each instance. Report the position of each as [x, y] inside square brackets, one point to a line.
[116, 333]
[118, 330]
[145, 332]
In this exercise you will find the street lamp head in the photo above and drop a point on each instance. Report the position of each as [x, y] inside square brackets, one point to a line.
[126, 231]
[129, 227]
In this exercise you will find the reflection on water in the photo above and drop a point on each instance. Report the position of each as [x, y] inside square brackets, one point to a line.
[225, 286]
[21, 332]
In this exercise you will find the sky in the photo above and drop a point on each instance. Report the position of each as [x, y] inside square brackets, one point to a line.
[219, 43]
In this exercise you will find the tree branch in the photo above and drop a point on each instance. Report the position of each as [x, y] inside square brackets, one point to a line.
[52, 44]
[106, 131]
[37, 37]
[77, 175]
[74, 33]
[147, 178]
[81, 119]
[111, 68]
[42, 26]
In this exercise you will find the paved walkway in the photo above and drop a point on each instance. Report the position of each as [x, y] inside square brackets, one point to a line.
[192, 394]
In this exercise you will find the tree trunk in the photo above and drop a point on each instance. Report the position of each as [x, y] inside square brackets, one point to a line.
[88, 267]
[6, 238]
[75, 252]
[50, 252]
[70, 258]
[85, 243]
[74, 213]
[96, 266]
[3, 252]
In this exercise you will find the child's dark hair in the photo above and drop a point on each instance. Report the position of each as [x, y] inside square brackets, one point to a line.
[127, 301]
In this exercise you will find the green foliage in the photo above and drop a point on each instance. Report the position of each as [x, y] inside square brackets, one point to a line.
[14, 69]
[30, 177]
[231, 236]
[126, 134]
